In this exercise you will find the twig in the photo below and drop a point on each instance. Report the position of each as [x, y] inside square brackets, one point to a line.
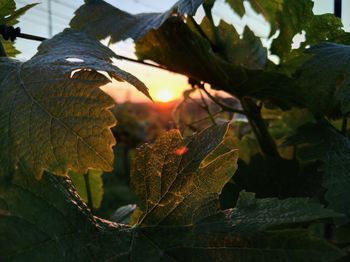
[31, 37]
[196, 102]
[207, 118]
[12, 33]
[222, 105]
[206, 108]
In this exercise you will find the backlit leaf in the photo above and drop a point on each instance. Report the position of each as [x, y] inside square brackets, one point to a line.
[174, 184]
[92, 182]
[53, 116]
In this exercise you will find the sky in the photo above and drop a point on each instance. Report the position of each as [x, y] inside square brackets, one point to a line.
[160, 82]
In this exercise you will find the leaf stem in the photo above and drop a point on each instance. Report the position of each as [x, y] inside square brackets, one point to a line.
[88, 191]
[259, 127]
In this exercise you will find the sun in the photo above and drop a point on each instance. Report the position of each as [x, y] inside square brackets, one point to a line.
[164, 95]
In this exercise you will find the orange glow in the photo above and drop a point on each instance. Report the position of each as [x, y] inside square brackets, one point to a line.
[165, 95]
[181, 151]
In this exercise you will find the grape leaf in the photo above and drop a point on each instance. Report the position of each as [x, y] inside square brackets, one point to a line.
[324, 143]
[173, 183]
[329, 92]
[11, 18]
[53, 116]
[190, 55]
[46, 220]
[270, 10]
[98, 18]
[6, 7]
[91, 181]
[298, 17]
[291, 19]
[245, 50]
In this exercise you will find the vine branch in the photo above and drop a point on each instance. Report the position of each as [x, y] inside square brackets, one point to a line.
[259, 127]
[11, 33]
[222, 105]
[213, 115]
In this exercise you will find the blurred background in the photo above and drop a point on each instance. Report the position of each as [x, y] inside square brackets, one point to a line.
[176, 104]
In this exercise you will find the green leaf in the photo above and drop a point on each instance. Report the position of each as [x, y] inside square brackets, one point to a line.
[172, 180]
[53, 116]
[98, 18]
[322, 142]
[190, 55]
[6, 8]
[246, 50]
[89, 184]
[270, 10]
[292, 19]
[193, 56]
[15, 14]
[316, 28]
[329, 92]
[254, 215]
[10, 48]
[45, 220]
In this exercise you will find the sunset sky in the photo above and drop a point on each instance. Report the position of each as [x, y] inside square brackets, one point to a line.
[163, 85]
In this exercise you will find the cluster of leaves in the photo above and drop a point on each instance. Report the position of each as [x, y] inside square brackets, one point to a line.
[54, 119]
